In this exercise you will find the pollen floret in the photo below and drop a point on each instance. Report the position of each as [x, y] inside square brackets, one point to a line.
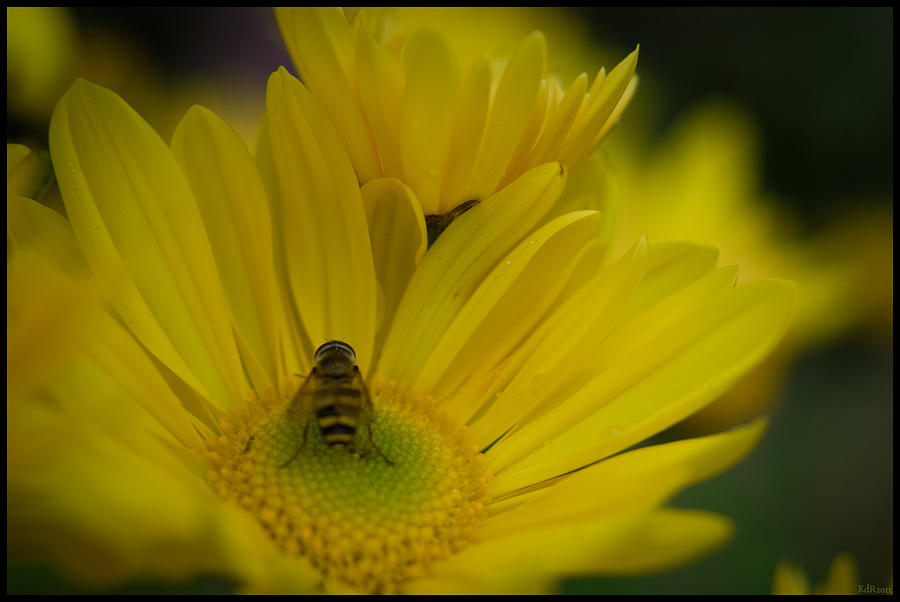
[359, 519]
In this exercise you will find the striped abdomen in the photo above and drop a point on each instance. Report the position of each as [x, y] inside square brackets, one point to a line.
[337, 413]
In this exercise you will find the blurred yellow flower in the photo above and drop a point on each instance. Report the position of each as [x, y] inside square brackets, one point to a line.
[455, 129]
[701, 183]
[40, 61]
[506, 368]
[842, 579]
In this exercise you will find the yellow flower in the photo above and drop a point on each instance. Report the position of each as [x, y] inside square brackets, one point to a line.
[507, 371]
[40, 61]
[701, 183]
[842, 579]
[407, 107]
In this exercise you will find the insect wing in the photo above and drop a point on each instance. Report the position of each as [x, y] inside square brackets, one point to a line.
[303, 404]
[366, 408]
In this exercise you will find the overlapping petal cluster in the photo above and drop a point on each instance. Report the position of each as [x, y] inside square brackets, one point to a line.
[406, 108]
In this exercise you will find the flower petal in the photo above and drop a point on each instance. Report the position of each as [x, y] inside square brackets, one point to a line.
[843, 577]
[561, 347]
[618, 482]
[535, 561]
[295, 343]
[399, 239]
[34, 226]
[320, 42]
[670, 267]
[47, 315]
[15, 154]
[790, 580]
[561, 120]
[235, 211]
[459, 261]
[82, 497]
[666, 376]
[495, 319]
[605, 99]
[133, 212]
[668, 538]
[426, 114]
[512, 104]
[381, 81]
[540, 113]
[326, 239]
[468, 130]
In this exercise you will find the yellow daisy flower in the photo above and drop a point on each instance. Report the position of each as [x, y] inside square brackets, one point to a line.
[455, 132]
[842, 579]
[509, 370]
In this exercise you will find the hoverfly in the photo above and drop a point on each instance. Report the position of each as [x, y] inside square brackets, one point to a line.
[336, 394]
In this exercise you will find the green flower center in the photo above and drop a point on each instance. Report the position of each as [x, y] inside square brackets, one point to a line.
[369, 519]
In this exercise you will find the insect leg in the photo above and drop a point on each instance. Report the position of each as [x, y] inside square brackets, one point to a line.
[249, 441]
[302, 445]
[369, 428]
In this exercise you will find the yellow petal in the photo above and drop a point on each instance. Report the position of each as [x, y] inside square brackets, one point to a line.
[471, 114]
[520, 159]
[235, 211]
[569, 336]
[47, 314]
[842, 579]
[380, 80]
[459, 261]
[15, 154]
[399, 238]
[295, 344]
[512, 104]
[495, 319]
[133, 212]
[670, 267]
[95, 374]
[27, 173]
[321, 42]
[81, 501]
[426, 114]
[616, 483]
[594, 185]
[616, 114]
[534, 561]
[550, 357]
[121, 359]
[562, 346]
[789, 580]
[326, 238]
[650, 387]
[668, 538]
[487, 378]
[604, 99]
[561, 121]
[34, 226]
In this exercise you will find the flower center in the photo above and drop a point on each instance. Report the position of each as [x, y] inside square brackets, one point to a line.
[372, 514]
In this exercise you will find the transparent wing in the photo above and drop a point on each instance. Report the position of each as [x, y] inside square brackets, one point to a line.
[366, 407]
[303, 403]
